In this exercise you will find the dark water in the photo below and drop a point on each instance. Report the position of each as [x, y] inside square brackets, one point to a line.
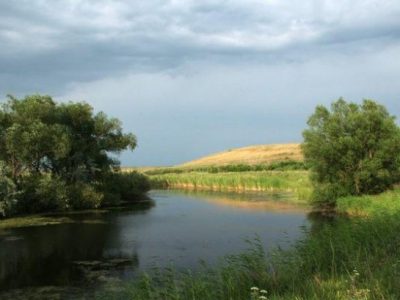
[178, 228]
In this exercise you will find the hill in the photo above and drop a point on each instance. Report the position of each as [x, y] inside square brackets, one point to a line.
[251, 155]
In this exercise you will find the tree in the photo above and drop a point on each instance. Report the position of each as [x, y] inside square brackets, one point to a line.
[54, 155]
[351, 149]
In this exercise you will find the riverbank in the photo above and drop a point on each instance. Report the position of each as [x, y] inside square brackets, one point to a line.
[296, 182]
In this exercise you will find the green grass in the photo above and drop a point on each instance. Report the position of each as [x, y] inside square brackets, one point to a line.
[272, 181]
[387, 203]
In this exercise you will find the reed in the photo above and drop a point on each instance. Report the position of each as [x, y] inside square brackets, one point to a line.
[296, 182]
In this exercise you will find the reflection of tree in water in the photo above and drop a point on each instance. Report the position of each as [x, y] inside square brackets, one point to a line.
[66, 254]
[320, 220]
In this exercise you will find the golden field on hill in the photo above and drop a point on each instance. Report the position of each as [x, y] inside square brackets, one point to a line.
[251, 155]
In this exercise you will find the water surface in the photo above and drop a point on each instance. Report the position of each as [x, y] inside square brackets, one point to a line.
[179, 228]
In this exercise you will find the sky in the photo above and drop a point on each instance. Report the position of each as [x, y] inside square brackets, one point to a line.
[190, 78]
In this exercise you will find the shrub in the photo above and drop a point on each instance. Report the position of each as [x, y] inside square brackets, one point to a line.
[84, 196]
[41, 193]
[124, 186]
[8, 196]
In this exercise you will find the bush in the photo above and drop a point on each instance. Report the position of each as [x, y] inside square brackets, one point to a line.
[44, 193]
[40, 193]
[124, 187]
[324, 196]
[84, 196]
[8, 196]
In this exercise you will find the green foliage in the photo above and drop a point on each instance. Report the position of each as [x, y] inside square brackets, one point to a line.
[352, 150]
[124, 186]
[8, 193]
[386, 203]
[83, 196]
[57, 155]
[40, 193]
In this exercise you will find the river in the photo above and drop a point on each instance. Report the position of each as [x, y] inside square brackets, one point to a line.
[175, 228]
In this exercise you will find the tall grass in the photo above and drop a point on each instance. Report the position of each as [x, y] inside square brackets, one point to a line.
[290, 181]
[371, 205]
[341, 259]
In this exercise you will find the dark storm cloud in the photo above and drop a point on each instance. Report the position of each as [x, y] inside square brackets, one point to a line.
[45, 45]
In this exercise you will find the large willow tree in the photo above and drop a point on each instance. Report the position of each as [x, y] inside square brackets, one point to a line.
[56, 148]
[351, 149]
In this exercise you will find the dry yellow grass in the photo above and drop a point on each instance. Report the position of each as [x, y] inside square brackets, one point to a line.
[252, 155]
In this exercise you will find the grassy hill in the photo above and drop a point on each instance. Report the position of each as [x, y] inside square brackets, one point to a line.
[252, 155]
[273, 168]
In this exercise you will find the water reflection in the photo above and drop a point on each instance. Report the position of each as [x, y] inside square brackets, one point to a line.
[249, 201]
[56, 255]
[319, 221]
[181, 229]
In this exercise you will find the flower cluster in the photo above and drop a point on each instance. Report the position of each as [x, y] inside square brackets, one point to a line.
[257, 294]
[354, 291]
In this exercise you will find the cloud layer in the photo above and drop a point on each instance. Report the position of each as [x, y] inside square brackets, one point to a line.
[191, 77]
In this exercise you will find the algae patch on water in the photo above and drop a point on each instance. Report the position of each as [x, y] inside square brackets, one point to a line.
[33, 221]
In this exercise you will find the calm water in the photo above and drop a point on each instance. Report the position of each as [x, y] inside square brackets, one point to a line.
[177, 228]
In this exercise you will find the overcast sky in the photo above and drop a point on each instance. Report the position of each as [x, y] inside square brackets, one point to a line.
[192, 77]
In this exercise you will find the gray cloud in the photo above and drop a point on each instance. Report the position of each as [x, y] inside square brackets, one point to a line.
[86, 40]
[214, 72]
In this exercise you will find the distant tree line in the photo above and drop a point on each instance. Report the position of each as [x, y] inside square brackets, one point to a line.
[352, 149]
[285, 165]
[58, 156]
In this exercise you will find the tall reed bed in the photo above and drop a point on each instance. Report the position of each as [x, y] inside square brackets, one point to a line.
[273, 181]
